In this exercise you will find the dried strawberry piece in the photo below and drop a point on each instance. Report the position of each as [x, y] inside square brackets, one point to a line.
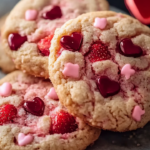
[63, 122]
[7, 113]
[44, 45]
[98, 52]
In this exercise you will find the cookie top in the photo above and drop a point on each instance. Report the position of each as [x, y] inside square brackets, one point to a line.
[99, 65]
[31, 117]
[34, 23]
[6, 63]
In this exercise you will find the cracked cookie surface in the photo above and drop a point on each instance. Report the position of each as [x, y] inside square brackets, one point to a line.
[6, 63]
[104, 77]
[30, 27]
[31, 117]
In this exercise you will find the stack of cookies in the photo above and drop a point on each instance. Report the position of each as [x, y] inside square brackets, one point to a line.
[80, 70]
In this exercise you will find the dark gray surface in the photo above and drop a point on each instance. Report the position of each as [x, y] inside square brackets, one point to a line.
[6, 5]
[136, 140]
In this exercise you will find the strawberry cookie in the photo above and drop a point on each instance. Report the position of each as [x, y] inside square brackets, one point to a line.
[6, 64]
[99, 65]
[31, 117]
[31, 25]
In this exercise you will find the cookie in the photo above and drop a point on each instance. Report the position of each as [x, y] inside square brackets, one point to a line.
[31, 117]
[99, 66]
[34, 24]
[6, 63]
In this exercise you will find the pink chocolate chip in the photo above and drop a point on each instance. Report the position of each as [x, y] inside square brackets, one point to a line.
[127, 71]
[31, 14]
[100, 23]
[71, 70]
[6, 89]
[52, 94]
[24, 139]
[137, 113]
